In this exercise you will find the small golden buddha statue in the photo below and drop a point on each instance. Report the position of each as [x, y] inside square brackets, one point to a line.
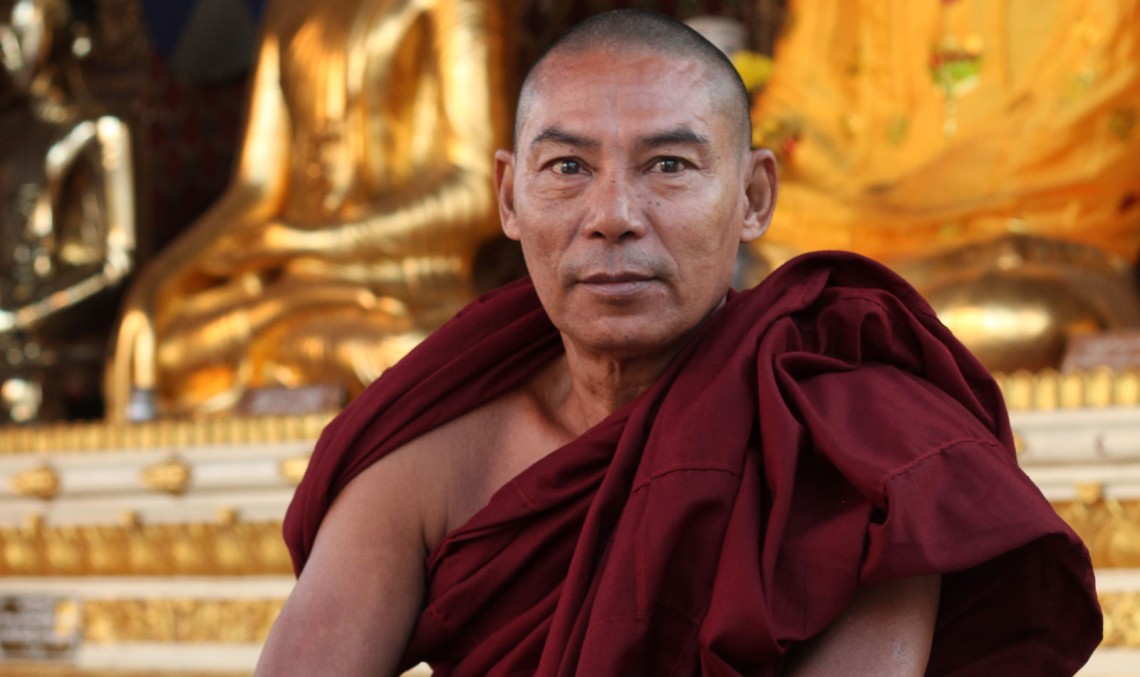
[66, 209]
[988, 150]
[362, 192]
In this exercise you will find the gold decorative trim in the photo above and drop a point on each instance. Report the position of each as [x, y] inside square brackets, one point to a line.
[169, 477]
[100, 436]
[1109, 527]
[1050, 389]
[64, 669]
[248, 621]
[1121, 619]
[228, 548]
[41, 483]
[181, 621]
[293, 469]
[1045, 390]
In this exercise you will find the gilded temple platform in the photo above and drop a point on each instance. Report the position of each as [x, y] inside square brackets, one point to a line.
[155, 548]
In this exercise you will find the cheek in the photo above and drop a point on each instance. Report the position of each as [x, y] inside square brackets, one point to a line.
[546, 230]
[541, 256]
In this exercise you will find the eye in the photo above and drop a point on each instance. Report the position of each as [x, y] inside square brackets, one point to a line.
[566, 166]
[668, 165]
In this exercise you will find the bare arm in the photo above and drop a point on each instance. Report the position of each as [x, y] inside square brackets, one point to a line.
[887, 630]
[358, 597]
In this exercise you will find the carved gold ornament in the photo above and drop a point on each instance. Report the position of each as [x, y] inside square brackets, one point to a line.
[239, 548]
[1050, 389]
[188, 621]
[1121, 619]
[42, 482]
[1109, 527]
[100, 437]
[169, 477]
[293, 469]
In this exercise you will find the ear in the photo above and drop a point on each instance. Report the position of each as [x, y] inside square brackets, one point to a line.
[505, 189]
[760, 192]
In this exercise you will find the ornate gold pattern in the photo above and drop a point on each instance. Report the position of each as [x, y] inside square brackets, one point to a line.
[169, 477]
[158, 434]
[1109, 527]
[1121, 619]
[227, 621]
[190, 621]
[238, 548]
[67, 670]
[293, 469]
[41, 482]
[1051, 389]
[1045, 390]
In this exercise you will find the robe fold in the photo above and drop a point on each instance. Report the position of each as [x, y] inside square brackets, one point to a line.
[821, 432]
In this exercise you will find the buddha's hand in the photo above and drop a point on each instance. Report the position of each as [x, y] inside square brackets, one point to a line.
[265, 245]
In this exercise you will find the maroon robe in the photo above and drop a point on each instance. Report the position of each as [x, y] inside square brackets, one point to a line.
[821, 432]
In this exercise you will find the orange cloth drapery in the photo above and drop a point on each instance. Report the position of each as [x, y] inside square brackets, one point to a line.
[908, 127]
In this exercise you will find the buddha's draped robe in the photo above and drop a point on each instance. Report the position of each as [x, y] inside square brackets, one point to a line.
[820, 432]
[913, 127]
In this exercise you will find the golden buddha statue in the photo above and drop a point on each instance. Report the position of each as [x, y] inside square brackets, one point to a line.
[987, 149]
[362, 192]
[66, 210]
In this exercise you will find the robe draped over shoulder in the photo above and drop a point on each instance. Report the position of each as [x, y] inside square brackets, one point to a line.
[822, 432]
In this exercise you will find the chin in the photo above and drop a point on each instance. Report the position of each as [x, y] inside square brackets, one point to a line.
[627, 342]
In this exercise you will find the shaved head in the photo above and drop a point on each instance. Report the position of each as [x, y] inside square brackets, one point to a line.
[635, 30]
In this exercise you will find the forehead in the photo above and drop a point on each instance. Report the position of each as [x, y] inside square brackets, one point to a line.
[619, 90]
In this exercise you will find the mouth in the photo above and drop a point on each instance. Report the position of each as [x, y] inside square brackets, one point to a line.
[617, 284]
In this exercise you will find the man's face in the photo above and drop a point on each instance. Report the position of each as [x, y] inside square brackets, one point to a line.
[630, 191]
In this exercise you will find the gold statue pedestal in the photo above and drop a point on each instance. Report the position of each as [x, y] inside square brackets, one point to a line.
[1017, 301]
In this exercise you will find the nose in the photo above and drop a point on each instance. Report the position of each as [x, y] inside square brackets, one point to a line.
[615, 212]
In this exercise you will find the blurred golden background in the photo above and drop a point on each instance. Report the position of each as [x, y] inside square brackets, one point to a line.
[220, 219]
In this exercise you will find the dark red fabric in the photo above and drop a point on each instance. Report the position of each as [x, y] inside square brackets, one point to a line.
[822, 432]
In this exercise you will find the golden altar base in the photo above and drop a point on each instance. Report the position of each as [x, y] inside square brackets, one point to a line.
[158, 548]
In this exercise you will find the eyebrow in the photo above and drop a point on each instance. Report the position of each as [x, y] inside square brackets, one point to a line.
[564, 137]
[673, 137]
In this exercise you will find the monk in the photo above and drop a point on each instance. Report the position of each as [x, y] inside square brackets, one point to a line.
[618, 466]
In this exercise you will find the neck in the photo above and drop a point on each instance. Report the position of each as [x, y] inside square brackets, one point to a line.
[594, 385]
[587, 385]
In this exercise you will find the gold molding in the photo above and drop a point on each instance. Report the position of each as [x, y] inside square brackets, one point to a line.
[1046, 390]
[228, 548]
[248, 621]
[64, 669]
[179, 621]
[1121, 619]
[1109, 527]
[102, 437]
[41, 482]
[169, 477]
[293, 469]
[1050, 389]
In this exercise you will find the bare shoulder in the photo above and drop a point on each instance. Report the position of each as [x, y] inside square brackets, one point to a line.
[356, 601]
[473, 456]
[358, 598]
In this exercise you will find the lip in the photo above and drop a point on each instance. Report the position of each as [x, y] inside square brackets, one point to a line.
[617, 283]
